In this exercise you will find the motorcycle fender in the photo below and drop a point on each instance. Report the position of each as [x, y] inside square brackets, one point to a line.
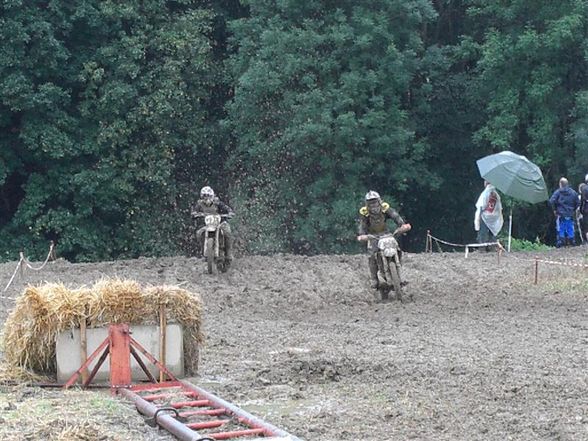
[390, 252]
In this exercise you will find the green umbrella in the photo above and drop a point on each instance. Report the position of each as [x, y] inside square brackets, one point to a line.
[515, 176]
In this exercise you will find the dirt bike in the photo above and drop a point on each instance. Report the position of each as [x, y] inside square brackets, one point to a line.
[388, 261]
[213, 249]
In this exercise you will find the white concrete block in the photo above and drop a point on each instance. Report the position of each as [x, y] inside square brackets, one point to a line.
[68, 351]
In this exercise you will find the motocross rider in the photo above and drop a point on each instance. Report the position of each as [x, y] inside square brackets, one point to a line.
[210, 204]
[373, 217]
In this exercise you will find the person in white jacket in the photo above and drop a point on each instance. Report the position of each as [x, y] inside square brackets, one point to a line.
[488, 219]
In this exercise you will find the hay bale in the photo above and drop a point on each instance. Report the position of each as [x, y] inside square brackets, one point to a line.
[43, 311]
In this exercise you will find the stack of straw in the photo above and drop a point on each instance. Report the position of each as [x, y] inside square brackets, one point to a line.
[43, 311]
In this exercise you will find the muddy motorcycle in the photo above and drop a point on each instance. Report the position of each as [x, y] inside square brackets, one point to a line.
[213, 244]
[388, 260]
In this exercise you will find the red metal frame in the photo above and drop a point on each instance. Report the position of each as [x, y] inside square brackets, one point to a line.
[120, 346]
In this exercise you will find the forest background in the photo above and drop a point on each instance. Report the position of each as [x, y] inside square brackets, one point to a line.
[113, 114]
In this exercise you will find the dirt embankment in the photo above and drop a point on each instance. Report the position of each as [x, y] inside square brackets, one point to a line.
[480, 354]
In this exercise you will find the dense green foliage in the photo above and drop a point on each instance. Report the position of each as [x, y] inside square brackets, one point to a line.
[114, 114]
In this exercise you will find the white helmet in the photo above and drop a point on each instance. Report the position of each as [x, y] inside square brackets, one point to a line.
[586, 178]
[207, 193]
[372, 195]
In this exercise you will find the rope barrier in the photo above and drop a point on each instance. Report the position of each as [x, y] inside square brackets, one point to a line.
[24, 262]
[18, 266]
[467, 245]
[49, 256]
[500, 249]
[572, 264]
[431, 238]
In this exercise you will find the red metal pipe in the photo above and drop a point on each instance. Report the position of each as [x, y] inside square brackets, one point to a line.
[235, 434]
[207, 412]
[207, 424]
[154, 397]
[197, 403]
[150, 387]
[266, 428]
[168, 422]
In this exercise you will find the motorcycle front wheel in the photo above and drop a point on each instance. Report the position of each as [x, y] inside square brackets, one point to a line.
[393, 278]
[210, 256]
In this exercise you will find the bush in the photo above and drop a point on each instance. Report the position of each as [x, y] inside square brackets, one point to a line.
[526, 245]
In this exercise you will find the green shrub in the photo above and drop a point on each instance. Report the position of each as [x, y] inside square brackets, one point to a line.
[526, 245]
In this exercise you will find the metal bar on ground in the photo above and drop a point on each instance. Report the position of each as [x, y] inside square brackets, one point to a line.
[148, 387]
[154, 397]
[196, 403]
[267, 428]
[207, 424]
[235, 434]
[204, 412]
[168, 422]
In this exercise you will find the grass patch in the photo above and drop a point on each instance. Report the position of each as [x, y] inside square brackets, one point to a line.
[55, 415]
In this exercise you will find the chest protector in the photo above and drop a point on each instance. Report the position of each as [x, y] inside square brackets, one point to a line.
[208, 209]
[376, 223]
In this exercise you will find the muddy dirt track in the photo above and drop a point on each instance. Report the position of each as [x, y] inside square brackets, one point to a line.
[480, 354]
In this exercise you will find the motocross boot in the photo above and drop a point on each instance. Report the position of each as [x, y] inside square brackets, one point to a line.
[373, 265]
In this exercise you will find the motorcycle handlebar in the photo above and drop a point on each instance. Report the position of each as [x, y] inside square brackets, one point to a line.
[226, 216]
[394, 233]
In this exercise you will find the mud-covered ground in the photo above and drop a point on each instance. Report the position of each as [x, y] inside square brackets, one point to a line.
[480, 354]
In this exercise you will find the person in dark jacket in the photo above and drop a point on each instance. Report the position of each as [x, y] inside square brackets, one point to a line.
[564, 202]
[373, 217]
[210, 204]
[583, 209]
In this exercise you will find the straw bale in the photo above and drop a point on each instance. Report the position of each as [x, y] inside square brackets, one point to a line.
[186, 308]
[43, 311]
[9, 374]
[116, 301]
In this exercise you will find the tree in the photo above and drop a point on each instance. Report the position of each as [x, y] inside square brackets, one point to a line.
[531, 70]
[106, 107]
[321, 108]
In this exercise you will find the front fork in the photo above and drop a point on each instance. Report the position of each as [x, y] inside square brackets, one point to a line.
[382, 261]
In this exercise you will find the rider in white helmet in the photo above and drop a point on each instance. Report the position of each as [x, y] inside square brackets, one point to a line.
[373, 217]
[210, 204]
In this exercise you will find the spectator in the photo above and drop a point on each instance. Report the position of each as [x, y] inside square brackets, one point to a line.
[564, 202]
[488, 219]
[583, 209]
